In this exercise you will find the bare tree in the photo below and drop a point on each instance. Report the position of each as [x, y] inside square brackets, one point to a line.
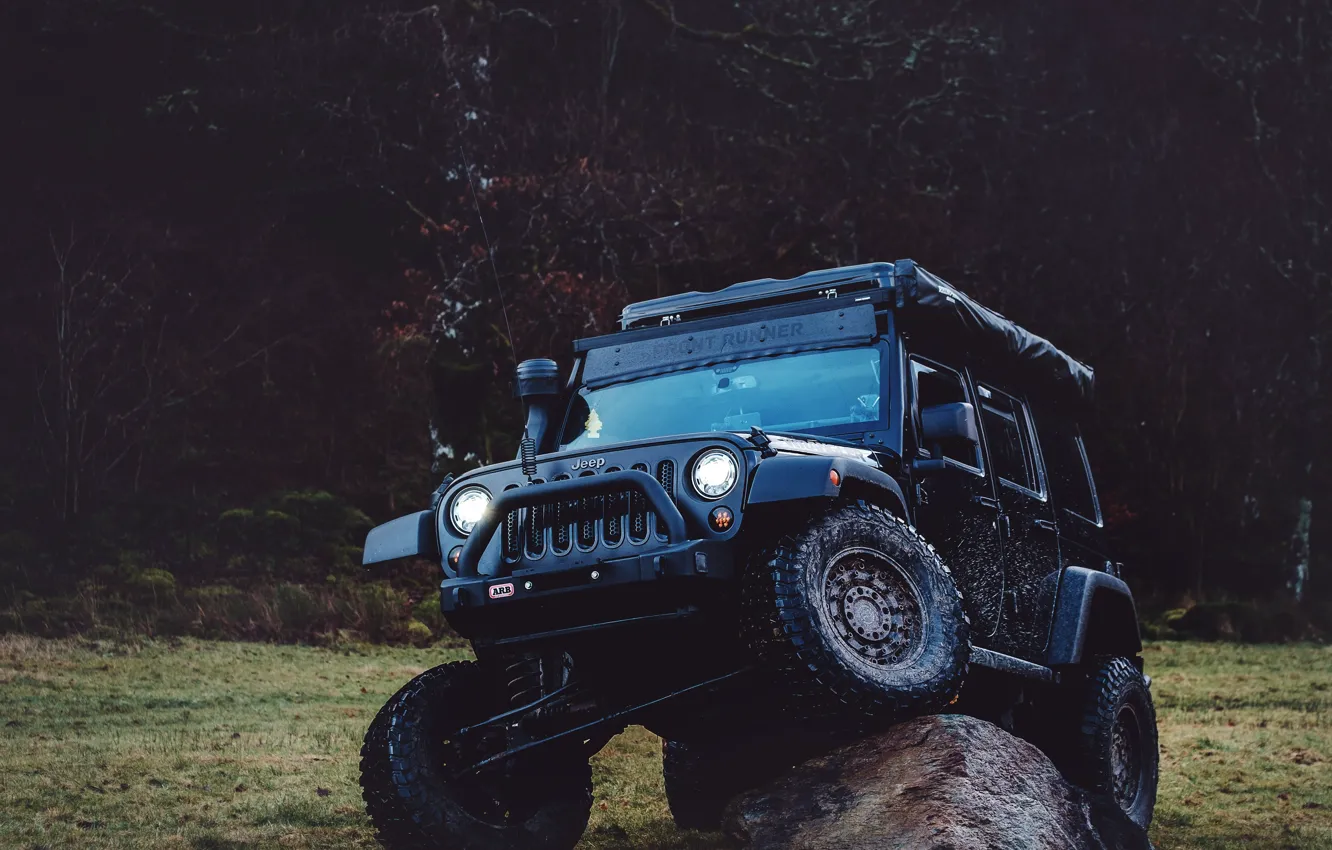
[125, 348]
[96, 390]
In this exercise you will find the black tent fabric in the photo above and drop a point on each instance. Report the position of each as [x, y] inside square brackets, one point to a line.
[987, 332]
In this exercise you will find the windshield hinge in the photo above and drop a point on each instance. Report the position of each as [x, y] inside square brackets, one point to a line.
[670, 320]
[439, 491]
[761, 441]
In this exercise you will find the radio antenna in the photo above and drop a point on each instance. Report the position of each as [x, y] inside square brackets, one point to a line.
[527, 447]
[490, 253]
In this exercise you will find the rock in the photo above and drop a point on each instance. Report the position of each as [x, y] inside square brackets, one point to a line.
[937, 782]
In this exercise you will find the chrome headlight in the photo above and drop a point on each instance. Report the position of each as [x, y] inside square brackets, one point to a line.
[467, 508]
[715, 473]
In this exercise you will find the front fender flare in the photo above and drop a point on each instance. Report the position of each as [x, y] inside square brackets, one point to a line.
[408, 536]
[784, 479]
[1094, 615]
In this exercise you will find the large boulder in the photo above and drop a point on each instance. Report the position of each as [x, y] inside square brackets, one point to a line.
[938, 782]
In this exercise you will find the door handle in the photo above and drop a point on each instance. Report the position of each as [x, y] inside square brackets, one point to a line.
[1005, 527]
[1045, 524]
[986, 502]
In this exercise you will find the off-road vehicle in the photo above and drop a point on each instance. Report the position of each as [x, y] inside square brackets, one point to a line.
[761, 521]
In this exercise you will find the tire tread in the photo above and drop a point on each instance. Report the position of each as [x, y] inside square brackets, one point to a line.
[780, 631]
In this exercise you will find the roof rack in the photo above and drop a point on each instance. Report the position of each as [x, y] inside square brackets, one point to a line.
[913, 291]
[764, 292]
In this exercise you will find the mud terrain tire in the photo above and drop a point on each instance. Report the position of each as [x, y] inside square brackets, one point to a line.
[702, 775]
[858, 618]
[1112, 748]
[414, 801]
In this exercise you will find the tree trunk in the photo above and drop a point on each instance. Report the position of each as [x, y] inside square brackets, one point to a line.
[1303, 527]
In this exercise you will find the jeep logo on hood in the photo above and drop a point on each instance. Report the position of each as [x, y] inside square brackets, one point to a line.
[588, 463]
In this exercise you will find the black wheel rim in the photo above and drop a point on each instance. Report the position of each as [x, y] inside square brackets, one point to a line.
[499, 794]
[1126, 757]
[874, 608]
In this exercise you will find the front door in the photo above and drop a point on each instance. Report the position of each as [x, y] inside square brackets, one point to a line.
[1027, 523]
[959, 513]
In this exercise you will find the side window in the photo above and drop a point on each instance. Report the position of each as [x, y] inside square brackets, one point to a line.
[1070, 473]
[1008, 433]
[940, 385]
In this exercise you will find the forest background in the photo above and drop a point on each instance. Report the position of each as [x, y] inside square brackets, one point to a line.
[247, 308]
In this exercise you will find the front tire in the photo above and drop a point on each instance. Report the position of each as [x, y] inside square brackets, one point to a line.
[858, 616]
[408, 766]
[1114, 751]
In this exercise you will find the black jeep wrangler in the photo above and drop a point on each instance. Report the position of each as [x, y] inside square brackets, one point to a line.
[761, 522]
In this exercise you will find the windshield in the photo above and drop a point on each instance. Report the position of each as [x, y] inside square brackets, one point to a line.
[810, 391]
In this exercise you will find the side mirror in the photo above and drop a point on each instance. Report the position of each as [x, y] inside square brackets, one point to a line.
[945, 423]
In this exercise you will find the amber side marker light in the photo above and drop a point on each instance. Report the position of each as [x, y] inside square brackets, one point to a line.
[721, 518]
[835, 477]
[455, 554]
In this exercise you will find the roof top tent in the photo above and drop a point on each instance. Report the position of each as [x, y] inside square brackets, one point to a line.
[917, 296]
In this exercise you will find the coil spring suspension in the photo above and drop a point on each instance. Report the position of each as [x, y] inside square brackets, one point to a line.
[523, 680]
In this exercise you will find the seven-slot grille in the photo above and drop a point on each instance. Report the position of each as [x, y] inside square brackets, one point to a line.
[558, 526]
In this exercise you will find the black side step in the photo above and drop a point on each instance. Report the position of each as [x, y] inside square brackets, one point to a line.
[1008, 664]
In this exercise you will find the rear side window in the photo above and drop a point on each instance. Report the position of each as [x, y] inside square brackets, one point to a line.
[1008, 434]
[940, 385]
[1070, 473]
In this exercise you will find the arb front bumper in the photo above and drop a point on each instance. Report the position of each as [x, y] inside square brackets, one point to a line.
[618, 515]
[669, 552]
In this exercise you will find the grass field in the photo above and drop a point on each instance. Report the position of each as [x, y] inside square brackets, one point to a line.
[230, 745]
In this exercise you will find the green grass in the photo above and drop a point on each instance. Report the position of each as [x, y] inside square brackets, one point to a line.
[1246, 745]
[229, 745]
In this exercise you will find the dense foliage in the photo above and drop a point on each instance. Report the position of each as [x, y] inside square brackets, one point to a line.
[249, 303]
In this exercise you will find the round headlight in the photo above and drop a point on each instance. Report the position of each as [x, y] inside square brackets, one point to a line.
[715, 473]
[467, 508]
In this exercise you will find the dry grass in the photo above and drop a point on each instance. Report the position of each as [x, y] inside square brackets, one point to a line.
[229, 745]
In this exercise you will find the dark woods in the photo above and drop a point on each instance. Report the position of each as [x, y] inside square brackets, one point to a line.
[248, 305]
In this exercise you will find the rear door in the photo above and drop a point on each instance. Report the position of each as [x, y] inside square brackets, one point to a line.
[1077, 508]
[1026, 523]
[959, 513]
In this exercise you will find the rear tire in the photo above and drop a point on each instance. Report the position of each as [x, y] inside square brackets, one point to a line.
[702, 776]
[411, 753]
[1114, 749]
[858, 617]
[697, 784]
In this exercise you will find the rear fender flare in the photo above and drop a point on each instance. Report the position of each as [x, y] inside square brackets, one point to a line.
[786, 479]
[1094, 616]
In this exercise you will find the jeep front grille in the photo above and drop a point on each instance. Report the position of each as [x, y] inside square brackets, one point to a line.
[561, 518]
[589, 516]
[534, 536]
[638, 512]
[558, 526]
[666, 478]
[512, 531]
[617, 505]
